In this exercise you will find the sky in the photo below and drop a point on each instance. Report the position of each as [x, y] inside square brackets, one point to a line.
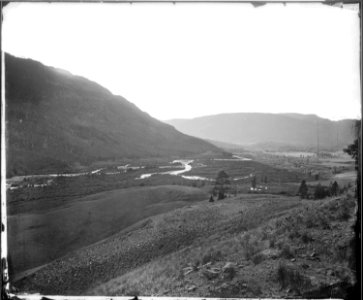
[190, 60]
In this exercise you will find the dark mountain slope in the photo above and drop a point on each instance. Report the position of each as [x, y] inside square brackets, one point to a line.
[293, 130]
[55, 120]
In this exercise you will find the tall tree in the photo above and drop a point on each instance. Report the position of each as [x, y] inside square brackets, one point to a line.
[334, 189]
[355, 151]
[253, 182]
[303, 190]
[222, 184]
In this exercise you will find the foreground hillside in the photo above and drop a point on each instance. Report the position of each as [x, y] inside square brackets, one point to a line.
[270, 131]
[57, 121]
[246, 246]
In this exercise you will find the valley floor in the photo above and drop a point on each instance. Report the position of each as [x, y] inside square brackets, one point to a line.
[118, 232]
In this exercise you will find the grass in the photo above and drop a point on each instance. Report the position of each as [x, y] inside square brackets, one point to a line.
[250, 246]
[245, 168]
[289, 277]
[47, 236]
[255, 231]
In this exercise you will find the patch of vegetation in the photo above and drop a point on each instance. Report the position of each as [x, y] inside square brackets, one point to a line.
[212, 255]
[250, 246]
[289, 277]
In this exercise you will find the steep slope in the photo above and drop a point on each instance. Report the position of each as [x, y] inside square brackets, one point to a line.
[56, 120]
[284, 130]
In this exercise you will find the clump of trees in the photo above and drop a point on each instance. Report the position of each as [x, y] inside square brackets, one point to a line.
[320, 191]
[222, 185]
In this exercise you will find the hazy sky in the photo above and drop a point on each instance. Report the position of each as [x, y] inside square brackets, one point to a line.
[188, 60]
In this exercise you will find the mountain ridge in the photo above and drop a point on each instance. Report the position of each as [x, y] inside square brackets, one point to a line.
[288, 130]
[56, 121]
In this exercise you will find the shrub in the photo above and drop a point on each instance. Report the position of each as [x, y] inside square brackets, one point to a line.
[287, 252]
[306, 237]
[258, 258]
[287, 276]
[343, 213]
[254, 287]
[211, 256]
[321, 192]
[250, 247]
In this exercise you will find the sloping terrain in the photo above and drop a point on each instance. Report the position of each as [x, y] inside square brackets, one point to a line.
[56, 121]
[307, 253]
[270, 131]
[247, 246]
[39, 237]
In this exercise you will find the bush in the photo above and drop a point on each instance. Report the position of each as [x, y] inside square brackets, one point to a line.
[287, 276]
[211, 256]
[306, 237]
[250, 247]
[258, 258]
[321, 192]
[253, 287]
[287, 252]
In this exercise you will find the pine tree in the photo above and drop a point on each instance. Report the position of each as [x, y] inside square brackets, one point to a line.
[221, 185]
[303, 190]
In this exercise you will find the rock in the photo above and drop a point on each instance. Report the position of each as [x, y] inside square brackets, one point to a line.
[229, 271]
[210, 274]
[229, 265]
[188, 272]
[305, 266]
[329, 273]
[191, 288]
[206, 265]
[224, 286]
[293, 259]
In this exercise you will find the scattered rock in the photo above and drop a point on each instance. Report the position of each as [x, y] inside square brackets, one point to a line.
[329, 273]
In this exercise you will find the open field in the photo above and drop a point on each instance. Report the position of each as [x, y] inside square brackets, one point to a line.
[38, 238]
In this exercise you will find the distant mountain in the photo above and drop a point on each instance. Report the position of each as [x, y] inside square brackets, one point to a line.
[276, 131]
[55, 120]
